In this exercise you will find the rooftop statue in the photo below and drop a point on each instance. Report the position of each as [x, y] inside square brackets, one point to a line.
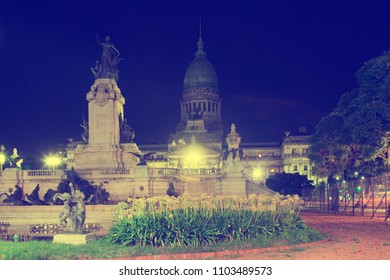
[107, 67]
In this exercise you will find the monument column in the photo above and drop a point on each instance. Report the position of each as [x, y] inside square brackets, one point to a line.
[105, 106]
[107, 137]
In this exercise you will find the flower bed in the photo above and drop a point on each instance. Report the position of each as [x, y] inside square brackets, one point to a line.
[186, 221]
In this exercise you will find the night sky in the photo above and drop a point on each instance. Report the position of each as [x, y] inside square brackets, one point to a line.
[279, 63]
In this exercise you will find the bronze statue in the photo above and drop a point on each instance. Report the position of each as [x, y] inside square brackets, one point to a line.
[16, 197]
[15, 161]
[127, 134]
[74, 209]
[107, 68]
[97, 69]
[85, 134]
[78, 212]
[99, 196]
[65, 214]
[142, 158]
[34, 197]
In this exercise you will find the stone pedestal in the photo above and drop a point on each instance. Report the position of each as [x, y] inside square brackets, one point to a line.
[234, 180]
[73, 238]
[99, 156]
[233, 186]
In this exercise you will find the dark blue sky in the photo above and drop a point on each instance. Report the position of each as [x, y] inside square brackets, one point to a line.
[278, 62]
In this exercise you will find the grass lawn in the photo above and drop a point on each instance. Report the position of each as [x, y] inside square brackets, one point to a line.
[102, 249]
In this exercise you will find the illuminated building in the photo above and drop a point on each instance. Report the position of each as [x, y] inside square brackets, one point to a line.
[198, 157]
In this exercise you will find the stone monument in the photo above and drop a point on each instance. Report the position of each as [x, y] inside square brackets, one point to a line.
[107, 137]
[234, 182]
[72, 218]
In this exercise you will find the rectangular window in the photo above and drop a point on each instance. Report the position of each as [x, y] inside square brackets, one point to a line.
[305, 168]
[295, 167]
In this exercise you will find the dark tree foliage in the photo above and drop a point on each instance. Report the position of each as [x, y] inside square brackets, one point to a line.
[328, 146]
[354, 137]
[289, 183]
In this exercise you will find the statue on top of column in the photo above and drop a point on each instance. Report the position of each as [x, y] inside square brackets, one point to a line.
[107, 67]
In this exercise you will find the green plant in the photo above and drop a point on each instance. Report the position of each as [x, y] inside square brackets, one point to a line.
[185, 221]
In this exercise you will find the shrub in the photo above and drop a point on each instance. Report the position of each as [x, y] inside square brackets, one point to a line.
[185, 221]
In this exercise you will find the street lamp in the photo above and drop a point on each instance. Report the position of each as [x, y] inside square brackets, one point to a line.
[257, 173]
[2, 157]
[52, 161]
[193, 156]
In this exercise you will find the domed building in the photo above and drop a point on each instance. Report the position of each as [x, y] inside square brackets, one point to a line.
[200, 104]
[201, 125]
[198, 158]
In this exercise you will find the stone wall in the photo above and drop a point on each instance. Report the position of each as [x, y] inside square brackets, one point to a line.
[21, 217]
[139, 181]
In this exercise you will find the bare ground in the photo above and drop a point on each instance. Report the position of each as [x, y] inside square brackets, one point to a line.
[349, 238]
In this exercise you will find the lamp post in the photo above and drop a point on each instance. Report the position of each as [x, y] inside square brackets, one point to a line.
[52, 161]
[364, 190]
[2, 157]
[257, 174]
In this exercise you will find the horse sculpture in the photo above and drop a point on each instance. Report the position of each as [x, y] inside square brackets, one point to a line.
[34, 197]
[16, 197]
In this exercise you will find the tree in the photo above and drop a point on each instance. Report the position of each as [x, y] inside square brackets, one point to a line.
[289, 183]
[328, 146]
[354, 136]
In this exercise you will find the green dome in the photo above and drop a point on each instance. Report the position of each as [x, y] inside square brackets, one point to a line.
[200, 73]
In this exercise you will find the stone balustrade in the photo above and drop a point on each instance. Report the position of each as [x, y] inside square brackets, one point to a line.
[121, 183]
[114, 171]
[167, 171]
[201, 171]
[44, 173]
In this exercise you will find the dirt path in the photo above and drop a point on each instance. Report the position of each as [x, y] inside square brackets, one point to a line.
[350, 238]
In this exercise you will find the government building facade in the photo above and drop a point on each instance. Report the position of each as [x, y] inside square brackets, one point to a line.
[198, 158]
